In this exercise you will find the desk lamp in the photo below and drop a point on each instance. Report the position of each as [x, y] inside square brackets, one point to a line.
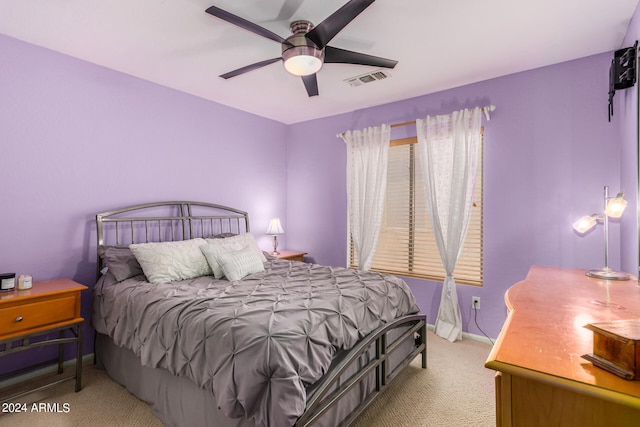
[613, 207]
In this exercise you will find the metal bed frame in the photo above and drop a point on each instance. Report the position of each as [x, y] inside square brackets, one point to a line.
[183, 223]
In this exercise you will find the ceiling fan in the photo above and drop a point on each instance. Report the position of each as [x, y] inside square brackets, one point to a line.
[306, 50]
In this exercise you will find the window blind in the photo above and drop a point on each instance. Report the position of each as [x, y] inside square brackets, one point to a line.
[407, 245]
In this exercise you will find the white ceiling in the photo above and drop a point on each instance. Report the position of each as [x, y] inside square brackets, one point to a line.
[439, 44]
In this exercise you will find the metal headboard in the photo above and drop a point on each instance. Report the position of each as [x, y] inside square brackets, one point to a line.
[168, 221]
[180, 223]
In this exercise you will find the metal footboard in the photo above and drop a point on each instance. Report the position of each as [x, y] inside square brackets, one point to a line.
[326, 396]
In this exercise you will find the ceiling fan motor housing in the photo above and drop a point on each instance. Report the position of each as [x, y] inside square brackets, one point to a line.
[301, 56]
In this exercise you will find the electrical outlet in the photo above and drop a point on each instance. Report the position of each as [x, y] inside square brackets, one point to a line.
[475, 303]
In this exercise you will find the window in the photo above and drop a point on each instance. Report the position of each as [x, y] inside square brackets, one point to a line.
[407, 246]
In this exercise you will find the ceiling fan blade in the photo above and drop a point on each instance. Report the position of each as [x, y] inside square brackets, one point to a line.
[243, 23]
[288, 9]
[322, 33]
[249, 68]
[311, 84]
[336, 55]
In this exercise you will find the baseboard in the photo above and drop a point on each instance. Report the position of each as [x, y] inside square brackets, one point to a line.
[475, 337]
[480, 338]
[87, 359]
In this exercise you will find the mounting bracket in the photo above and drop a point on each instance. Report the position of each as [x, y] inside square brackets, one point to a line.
[622, 73]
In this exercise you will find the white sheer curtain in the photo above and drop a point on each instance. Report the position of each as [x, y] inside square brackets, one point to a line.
[448, 148]
[367, 158]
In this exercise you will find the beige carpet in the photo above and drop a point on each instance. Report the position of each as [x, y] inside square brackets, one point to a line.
[454, 390]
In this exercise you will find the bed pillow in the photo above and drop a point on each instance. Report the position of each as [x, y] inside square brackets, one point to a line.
[212, 250]
[170, 261]
[224, 235]
[240, 241]
[238, 264]
[120, 261]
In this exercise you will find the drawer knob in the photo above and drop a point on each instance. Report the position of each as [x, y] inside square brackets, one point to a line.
[19, 319]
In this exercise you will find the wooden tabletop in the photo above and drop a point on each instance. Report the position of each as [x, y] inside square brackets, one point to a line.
[284, 253]
[544, 335]
[43, 287]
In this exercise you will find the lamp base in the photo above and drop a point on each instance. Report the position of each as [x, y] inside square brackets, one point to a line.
[608, 274]
[274, 253]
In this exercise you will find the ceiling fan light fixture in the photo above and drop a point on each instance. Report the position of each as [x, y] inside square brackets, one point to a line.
[301, 57]
[302, 64]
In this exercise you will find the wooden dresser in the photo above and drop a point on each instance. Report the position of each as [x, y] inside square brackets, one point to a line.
[542, 380]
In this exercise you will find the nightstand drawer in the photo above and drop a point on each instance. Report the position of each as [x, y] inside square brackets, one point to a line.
[37, 314]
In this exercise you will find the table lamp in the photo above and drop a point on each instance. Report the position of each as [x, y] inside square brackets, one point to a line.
[274, 229]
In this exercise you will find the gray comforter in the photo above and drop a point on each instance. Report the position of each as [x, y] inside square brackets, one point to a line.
[255, 344]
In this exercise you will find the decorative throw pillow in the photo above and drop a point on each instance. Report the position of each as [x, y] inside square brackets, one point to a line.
[169, 261]
[240, 240]
[213, 249]
[238, 264]
[120, 261]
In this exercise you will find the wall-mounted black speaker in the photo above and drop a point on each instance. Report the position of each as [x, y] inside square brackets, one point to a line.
[622, 73]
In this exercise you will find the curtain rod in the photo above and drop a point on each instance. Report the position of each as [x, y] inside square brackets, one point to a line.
[486, 110]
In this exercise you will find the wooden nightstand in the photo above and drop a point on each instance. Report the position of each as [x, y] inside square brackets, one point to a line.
[291, 255]
[49, 306]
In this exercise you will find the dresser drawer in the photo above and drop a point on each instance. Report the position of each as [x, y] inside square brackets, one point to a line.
[37, 314]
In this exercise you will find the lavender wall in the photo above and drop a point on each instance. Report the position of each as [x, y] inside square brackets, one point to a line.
[549, 150]
[626, 119]
[77, 139]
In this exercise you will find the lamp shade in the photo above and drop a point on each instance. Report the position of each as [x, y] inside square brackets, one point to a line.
[616, 206]
[275, 227]
[585, 224]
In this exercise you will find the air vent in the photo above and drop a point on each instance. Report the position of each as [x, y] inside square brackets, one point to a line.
[368, 78]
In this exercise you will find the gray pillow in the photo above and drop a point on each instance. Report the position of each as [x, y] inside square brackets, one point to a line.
[120, 261]
[224, 235]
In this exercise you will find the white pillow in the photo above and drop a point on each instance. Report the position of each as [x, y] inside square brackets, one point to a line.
[238, 264]
[169, 261]
[240, 241]
[211, 251]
